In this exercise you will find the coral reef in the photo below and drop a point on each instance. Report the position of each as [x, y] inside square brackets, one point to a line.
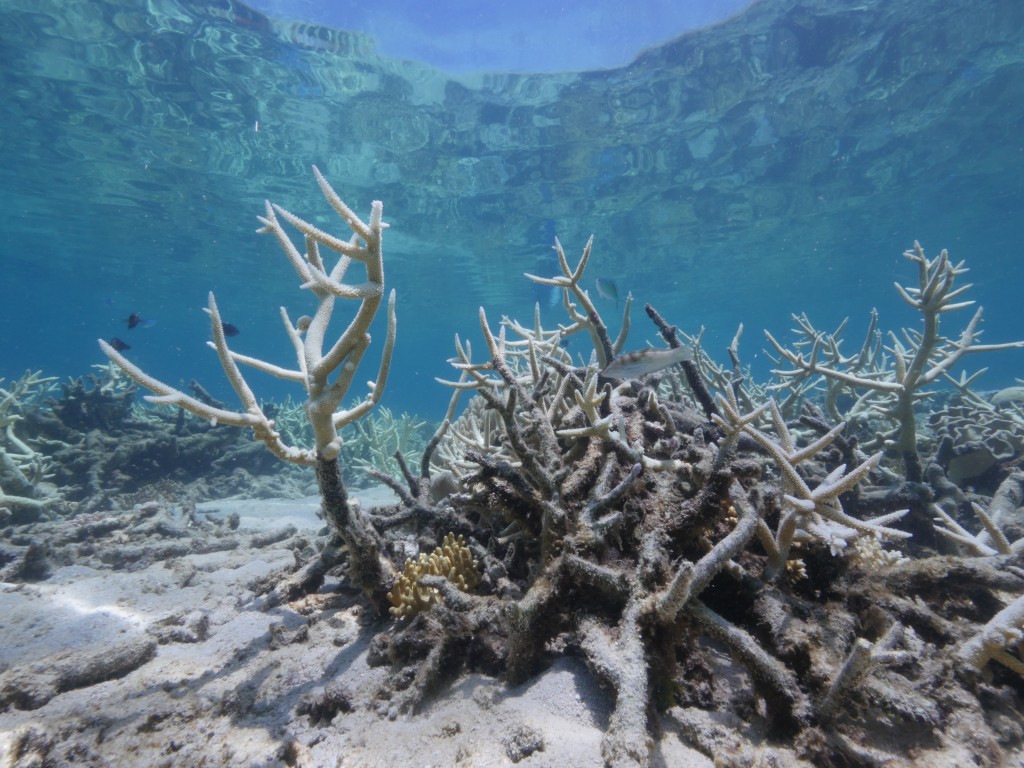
[729, 559]
[889, 381]
[95, 448]
[644, 529]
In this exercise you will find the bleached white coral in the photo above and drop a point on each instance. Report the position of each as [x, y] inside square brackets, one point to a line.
[868, 552]
[998, 639]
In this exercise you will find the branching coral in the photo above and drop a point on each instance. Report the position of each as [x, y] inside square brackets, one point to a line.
[325, 370]
[22, 467]
[572, 498]
[616, 517]
[589, 319]
[806, 510]
[372, 443]
[316, 363]
[996, 640]
[890, 385]
[643, 527]
[1005, 631]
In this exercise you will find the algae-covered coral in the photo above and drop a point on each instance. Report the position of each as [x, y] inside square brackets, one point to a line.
[647, 529]
[757, 568]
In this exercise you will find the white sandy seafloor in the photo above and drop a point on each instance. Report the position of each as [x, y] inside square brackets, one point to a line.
[222, 685]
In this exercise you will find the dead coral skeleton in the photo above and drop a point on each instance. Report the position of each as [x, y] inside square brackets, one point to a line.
[997, 639]
[991, 539]
[325, 370]
[21, 465]
[562, 472]
[1005, 631]
[807, 511]
[619, 521]
[565, 478]
[889, 380]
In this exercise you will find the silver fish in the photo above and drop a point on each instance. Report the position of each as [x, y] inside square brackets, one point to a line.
[633, 365]
[607, 289]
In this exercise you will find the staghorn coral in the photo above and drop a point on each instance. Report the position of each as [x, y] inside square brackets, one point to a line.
[452, 561]
[1005, 631]
[325, 370]
[290, 421]
[1003, 513]
[998, 640]
[23, 468]
[579, 463]
[316, 364]
[478, 429]
[635, 520]
[888, 381]
[817, 511]
[647, 529]
[369, 443]
[372, 443]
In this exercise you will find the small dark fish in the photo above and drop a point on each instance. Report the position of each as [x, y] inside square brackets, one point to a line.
[607, 289]
[229, 329]
[633, 365]
[136, 320]
[119, 345]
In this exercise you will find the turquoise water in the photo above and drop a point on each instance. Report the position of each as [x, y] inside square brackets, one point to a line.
[778, 162]
[524, 36]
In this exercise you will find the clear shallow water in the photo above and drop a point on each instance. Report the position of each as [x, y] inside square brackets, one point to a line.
[779, 162]
[524, 36]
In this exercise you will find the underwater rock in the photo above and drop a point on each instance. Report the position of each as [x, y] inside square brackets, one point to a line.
[970, 461]
[24, 563]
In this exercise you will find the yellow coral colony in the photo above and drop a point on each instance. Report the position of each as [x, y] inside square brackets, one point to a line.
[452, 559]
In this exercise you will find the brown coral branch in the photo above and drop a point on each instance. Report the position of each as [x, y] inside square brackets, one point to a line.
[787, 704]
[690, 370]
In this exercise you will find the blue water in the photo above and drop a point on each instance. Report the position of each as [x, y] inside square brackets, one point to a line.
[524, 36]
[777, 162]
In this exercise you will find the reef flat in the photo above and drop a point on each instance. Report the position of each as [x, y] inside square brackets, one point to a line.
[822, 569]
